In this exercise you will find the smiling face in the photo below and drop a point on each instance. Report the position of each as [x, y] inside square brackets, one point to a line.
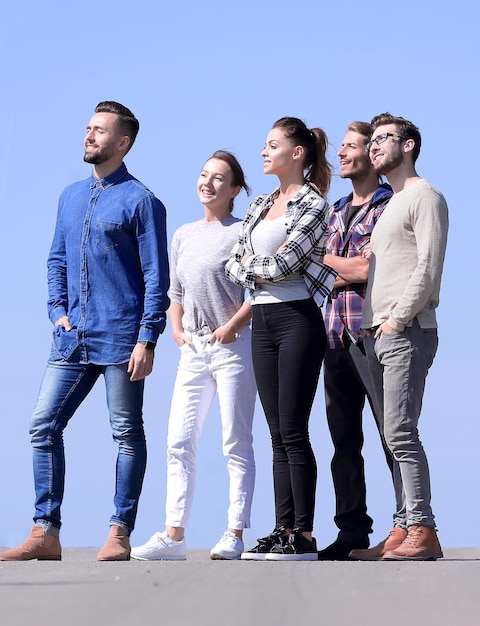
[214, 185]
[280, 154]
[103, 141]
[354, 160]
[390, 154]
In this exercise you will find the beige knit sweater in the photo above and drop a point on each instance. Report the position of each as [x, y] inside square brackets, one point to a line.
[408, 245]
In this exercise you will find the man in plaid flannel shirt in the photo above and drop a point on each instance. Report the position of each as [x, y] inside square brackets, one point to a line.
[346, 376]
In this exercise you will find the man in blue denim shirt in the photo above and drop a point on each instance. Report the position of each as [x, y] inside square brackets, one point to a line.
[107, 282]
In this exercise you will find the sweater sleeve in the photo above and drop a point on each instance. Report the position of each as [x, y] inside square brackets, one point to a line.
[429, 220]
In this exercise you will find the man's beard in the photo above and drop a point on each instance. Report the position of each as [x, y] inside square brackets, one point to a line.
[388, 164]
[102, 155]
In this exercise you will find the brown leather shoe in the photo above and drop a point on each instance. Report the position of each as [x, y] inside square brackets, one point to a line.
[421, 544]
[117, 546]
[38, 545]
[394, 540]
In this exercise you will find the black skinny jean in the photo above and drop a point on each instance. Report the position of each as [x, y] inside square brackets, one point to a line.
[288, 344]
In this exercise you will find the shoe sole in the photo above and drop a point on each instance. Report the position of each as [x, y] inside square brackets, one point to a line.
[159, 558]
[335, 558]
[307, 556]
[429, 557]
[366, 558]
[221, 557]
[33, 558]
[246, 556]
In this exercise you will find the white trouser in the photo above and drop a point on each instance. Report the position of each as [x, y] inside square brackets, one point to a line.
[203, 370]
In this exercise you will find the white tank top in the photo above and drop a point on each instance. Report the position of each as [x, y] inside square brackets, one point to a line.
[267, 237]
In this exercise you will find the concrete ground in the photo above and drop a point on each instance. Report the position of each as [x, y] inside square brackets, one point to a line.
[80, 590]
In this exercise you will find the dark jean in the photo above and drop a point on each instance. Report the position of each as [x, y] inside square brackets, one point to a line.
[64, 387]
[288, 344]
[347, 385]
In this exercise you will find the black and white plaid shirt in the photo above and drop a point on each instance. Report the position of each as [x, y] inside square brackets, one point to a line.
[304, 246]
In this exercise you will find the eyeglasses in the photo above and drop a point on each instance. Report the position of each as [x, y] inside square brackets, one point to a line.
[379, 139]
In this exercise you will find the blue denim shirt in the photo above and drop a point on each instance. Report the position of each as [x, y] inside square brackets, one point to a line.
[108, 269]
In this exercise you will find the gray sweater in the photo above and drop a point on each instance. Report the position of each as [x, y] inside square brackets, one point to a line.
[408, 245]
[197, 279]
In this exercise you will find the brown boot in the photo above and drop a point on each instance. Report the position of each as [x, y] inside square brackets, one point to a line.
[117, 546]
[394, 540]
[38, 545]
[421, 544]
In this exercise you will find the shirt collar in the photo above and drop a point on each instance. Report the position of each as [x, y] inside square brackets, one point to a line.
[383, 191]
[109, 180]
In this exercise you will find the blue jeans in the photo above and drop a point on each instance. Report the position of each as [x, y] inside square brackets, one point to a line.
[399, 364]
[64, 387]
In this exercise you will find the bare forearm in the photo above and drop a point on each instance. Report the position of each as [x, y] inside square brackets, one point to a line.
[350, 270]
[175, 314]
[241, 317]
[228, 332]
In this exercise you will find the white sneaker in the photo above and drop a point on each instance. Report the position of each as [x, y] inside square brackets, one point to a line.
[229, 547]
[161, 548]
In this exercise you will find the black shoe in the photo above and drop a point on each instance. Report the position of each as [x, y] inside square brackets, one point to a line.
[265, 544]
[337, 551]
[294, 547]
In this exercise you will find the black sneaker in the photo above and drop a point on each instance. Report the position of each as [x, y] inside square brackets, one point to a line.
[295, 547]
[264, 545]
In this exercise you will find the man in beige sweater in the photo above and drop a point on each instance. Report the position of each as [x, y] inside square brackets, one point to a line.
[399, 323]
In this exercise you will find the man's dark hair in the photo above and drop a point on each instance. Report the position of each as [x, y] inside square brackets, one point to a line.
[126, 120]
[406, 129]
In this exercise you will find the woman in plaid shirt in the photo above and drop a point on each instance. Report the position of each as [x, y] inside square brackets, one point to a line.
[279, 257]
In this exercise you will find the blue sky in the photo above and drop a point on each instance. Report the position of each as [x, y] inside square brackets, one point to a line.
[202, 77]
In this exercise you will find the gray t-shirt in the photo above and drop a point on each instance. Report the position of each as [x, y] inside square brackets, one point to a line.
[197, 277]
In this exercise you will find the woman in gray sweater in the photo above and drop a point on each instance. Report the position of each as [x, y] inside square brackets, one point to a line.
[210, 324]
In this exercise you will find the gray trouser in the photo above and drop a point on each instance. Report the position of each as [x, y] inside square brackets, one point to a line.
[399, 363]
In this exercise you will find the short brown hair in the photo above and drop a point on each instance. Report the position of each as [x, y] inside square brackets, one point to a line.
[406, 129]
[362, 128]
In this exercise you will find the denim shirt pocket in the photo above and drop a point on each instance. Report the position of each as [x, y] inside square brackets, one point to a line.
[65, 342]
[107, 235]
